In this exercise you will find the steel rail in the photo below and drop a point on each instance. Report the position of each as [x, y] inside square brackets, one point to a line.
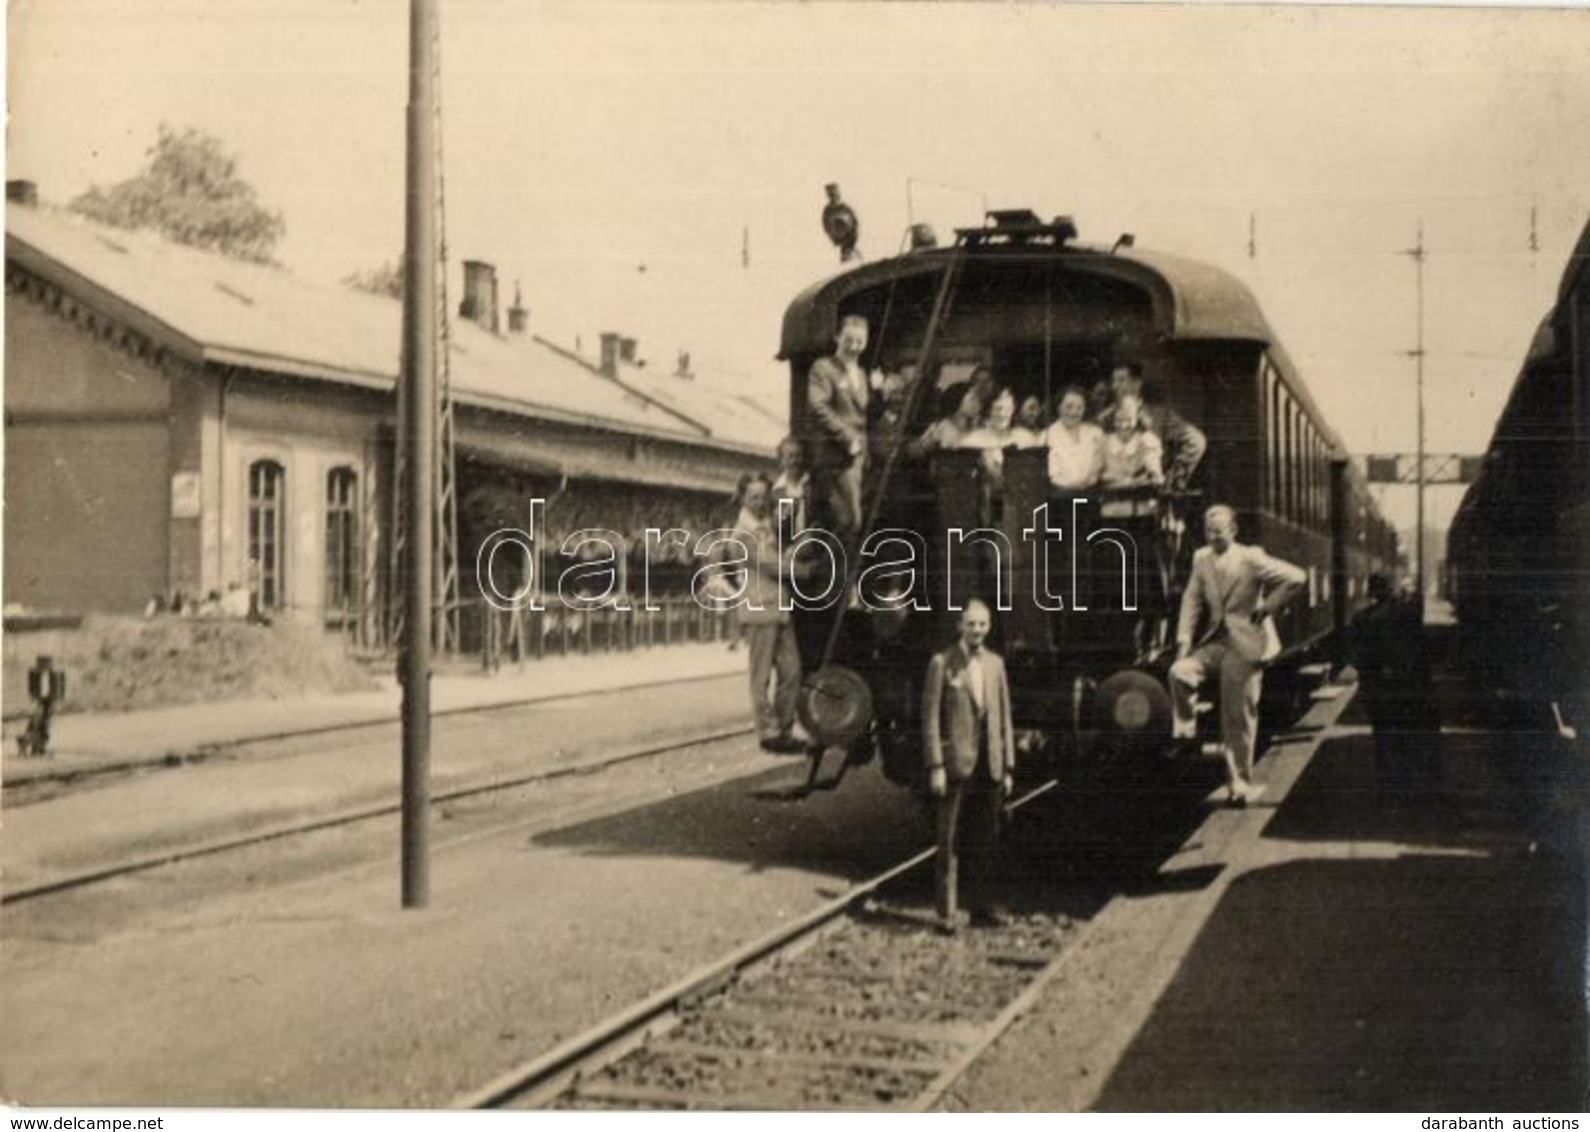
[550, 1074]
[351, 815]
[205, 752]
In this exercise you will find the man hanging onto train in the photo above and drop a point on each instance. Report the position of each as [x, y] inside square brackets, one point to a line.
[837, 393]
[969, 748]
[1227, 626]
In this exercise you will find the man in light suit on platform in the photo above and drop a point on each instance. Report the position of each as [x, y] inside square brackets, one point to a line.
[1226, 626]
[970, 751]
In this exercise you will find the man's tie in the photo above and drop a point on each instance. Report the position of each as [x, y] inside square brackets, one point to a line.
[974, 681]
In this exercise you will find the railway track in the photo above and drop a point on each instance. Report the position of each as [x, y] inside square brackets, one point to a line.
[29, 790]
[856, 1006]
[347, 816]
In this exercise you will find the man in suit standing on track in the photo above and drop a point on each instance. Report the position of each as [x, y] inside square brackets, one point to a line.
[970, 751]
[1234, 590]
[837, 394]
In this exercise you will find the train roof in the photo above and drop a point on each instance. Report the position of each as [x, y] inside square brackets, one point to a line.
[1544, 346]
[1195, 300]
[1577, 261]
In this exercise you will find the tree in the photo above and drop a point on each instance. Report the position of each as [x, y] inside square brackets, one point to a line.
[386, 279]
[191, 192]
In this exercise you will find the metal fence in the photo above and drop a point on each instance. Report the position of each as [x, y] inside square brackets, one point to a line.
[529, 634]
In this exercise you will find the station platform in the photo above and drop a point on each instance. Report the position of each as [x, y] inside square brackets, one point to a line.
[1336, 949]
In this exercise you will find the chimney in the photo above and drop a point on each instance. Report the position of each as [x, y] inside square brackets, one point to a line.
[626, 350]
[480, 294]
[25, 193]
[610, 351]
[518, 316]
[683, 369]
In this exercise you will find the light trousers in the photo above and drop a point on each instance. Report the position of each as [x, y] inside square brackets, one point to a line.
[1241, 681]
[774, 657]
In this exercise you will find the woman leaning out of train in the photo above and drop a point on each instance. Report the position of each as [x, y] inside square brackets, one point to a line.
[1032, 418]
[1133, 475]
[960, 410]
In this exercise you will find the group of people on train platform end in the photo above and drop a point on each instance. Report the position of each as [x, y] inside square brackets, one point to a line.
[1225, 629]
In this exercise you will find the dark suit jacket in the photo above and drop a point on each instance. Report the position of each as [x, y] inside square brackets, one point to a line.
[1256, 582]
[840, 414]
[949, 716]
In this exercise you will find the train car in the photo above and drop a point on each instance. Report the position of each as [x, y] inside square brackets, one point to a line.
[1518, 551]
[1025, 301]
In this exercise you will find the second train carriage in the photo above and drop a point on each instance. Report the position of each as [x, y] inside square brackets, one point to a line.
[1022, 298]
[1518, 551]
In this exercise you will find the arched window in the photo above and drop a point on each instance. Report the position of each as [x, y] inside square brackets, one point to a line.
[342, 541]
[267, 498]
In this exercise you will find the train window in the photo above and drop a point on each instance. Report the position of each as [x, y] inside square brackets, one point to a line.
[1290, 508]
[1272, 468]
[1310, 480]
[1305, 455]
[1280, 450]
[1299, 465]
[1319, 484]
[1324, 476]
[1316, 482]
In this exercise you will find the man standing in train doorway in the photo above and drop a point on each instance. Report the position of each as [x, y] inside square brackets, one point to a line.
[970, 751]
[1235, 590]
[837, 394]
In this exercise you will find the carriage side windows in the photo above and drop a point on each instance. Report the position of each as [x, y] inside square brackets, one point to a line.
[1297, 463]
[1288, 458]
[1322, 490]
[1313, 476]
[1272, 429]
[1277, 460]
[1307, 457]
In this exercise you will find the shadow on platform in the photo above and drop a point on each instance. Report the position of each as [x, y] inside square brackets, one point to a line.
[1099, 835]
[1423, 983]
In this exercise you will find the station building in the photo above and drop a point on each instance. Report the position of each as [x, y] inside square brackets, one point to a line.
[177, 421]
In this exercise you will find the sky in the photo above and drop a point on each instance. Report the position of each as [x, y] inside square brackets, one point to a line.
[622, 162]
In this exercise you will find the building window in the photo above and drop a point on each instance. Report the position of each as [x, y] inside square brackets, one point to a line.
[266, 525]
[342, 541]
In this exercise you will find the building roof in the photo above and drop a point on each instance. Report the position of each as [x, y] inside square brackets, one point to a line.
[212, 309]
[725, 413]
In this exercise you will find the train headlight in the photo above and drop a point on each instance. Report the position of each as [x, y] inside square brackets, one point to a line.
[1132, 711]
[835, 705]
[1134, 704]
